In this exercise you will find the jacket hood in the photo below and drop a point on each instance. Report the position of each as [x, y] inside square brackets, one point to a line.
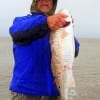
[34, 9]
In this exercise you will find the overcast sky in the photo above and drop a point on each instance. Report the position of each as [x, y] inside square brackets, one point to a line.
[86, 15]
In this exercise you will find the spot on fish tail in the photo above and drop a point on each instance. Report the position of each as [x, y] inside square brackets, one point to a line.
[59, 87]
[58, 74]
[65, 66]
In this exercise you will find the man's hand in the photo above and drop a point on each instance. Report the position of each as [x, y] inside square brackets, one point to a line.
[56, 21]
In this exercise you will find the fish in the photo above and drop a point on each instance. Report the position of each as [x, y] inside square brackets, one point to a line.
[63, 51]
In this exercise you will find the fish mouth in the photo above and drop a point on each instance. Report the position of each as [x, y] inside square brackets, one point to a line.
[67, 24]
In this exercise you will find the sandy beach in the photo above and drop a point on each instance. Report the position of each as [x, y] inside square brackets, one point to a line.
[86, 70]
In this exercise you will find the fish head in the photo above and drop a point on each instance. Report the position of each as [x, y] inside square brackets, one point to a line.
[69, 19]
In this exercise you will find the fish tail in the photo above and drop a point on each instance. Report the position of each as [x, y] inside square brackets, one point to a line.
[72, 83]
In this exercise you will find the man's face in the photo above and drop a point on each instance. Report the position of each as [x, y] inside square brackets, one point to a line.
[45, 5]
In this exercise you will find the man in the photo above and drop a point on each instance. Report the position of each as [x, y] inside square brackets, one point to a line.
[32, 75]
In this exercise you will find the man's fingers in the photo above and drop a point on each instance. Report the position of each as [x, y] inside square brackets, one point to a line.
[56, 21]
[63, 16]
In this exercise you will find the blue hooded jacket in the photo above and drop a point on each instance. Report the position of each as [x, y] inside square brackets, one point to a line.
[32, 73]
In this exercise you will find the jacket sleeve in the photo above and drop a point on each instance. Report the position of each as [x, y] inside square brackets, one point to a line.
[77, 46]
[29, 28]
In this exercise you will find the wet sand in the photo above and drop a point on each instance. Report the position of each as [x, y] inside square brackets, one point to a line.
[86, 70]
